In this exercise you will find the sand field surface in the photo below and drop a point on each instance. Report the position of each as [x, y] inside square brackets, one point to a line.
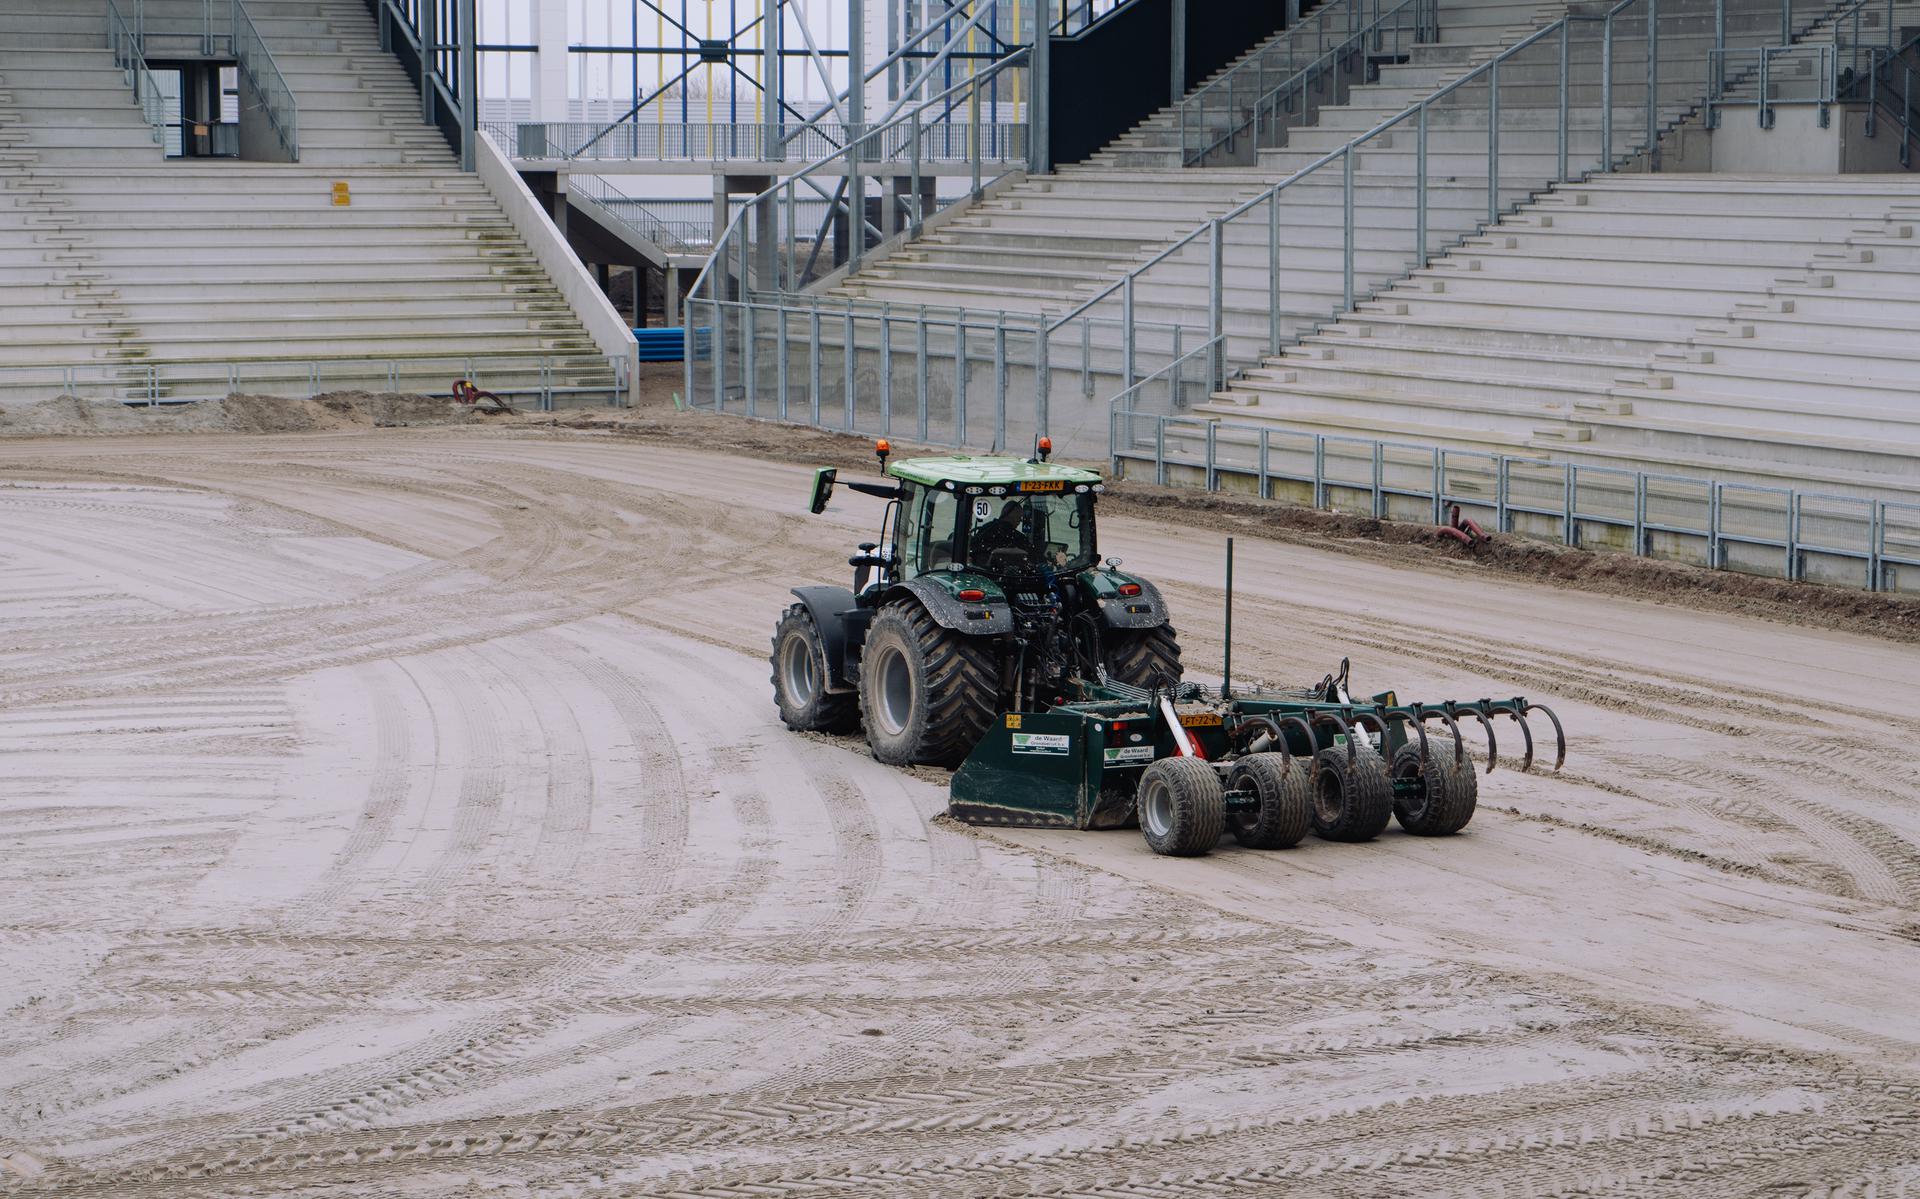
[403, 812]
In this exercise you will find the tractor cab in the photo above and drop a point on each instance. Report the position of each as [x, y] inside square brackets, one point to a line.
[1008, 519]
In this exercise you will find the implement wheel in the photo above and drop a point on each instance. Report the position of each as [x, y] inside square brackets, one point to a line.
[800, 679]
[1286, 801]
[1182, 807]
[926, 693]
[1138, 657]
[1351, 802]
[1440, 803]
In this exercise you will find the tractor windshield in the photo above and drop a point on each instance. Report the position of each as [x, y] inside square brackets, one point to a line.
[1026, 530]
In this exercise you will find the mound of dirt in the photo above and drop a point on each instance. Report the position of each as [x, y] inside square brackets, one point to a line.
[68, 415]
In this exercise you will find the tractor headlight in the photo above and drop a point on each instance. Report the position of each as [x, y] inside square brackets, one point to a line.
[973, 491]
[996, 491]
[1099, 486]
[1082, 489]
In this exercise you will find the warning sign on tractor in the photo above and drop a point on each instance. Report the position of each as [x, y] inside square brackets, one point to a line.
[1041, 743]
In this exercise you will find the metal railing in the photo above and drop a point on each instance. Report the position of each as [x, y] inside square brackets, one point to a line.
[947, 140]
[179, 33]
[1861, 64]
[952, 376]
[544, 377]
[1283, 83]
[1783, 532]
[1891, 97]
[269, 85]
[1076, 15]
[769, 261]
[629, 212]
[124, 42]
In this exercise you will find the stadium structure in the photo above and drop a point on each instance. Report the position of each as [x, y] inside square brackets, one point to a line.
[1636, 274]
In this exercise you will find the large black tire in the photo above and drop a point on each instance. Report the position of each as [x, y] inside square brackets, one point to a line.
[1444, 800]
[1351, 802]
[800, 678]
[927, 694]
[1286, 801]
[1182, 807]
[1142, 657]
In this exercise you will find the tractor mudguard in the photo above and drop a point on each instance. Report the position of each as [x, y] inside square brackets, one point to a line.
[831, 609]
[1143, 611]
[938, 594]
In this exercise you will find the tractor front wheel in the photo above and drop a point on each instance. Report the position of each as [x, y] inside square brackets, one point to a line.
[1440, 801]
[1286, 801]
[1144, 657]
[801, 678]
[1182, 807]
[1352, 799]
[927, 694]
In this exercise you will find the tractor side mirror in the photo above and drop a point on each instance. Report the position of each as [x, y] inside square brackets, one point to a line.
[822, 488]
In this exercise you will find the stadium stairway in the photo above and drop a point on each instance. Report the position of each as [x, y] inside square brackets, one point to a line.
[1047, 242]
[121, 263]
[1748, 329]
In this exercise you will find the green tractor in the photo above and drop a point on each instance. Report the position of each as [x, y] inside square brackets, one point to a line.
[983, 632]
[985, 594]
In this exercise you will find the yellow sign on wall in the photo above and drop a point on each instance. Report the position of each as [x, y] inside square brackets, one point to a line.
[341, 196]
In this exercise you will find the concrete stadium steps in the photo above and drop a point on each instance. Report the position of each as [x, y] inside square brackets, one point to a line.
[118, 262]
[1753, 329]
[1049, 244]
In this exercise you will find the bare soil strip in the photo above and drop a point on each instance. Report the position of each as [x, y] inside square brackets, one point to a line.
[404, 813]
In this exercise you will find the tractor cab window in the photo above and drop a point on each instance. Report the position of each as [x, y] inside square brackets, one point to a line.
[927, 532]
[1010, 532]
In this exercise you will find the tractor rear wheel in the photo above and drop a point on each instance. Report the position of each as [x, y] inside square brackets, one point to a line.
[1352, 800]
[1140, 657]
[1182, 806]
[1286, 801]
[1443, 799]
[801, 678]
[926, 693]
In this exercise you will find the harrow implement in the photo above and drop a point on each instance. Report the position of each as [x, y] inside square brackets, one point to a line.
[1188, 763]
[1271, 764]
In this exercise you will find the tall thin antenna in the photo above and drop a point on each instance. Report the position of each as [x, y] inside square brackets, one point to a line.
[1226, 665]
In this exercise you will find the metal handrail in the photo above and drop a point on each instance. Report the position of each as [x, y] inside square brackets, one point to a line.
[1327, 60]
[1487, 70]
[276, 98]
[126, 48]
[734, 141]
[621, 207]
[850, 154]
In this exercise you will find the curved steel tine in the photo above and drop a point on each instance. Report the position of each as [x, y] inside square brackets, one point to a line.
[1526, 734]
[1418, 722]
[1378, 719]
[1486, 726]
[1559, 736]
[1459, 746]
[1346, 730]
[1306, 730]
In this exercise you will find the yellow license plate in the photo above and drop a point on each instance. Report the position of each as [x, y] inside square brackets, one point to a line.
[1044, 485]
[1201, 720]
